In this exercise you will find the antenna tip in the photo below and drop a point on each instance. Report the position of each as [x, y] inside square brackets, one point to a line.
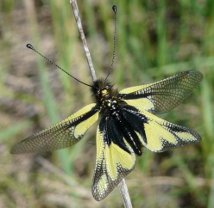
[114, 8]
[29, 46]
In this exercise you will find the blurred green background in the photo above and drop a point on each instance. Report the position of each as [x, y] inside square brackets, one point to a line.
[155, 40]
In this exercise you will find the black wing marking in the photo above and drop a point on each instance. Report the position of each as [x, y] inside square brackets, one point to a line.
[157, 134]
[121, 137]
[164, 95]
[114, 161]
[63, 134]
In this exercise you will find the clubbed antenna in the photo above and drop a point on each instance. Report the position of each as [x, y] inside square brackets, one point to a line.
[30, 46]
[114, 9]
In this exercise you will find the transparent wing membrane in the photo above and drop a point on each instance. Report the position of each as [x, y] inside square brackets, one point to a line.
[113, 163]
[127, 123]
[63, 134]
[164, 95]
[157, 134]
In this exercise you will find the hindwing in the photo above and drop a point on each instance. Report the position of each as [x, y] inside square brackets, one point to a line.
[126, 125]
[114, 160]
[156, 134]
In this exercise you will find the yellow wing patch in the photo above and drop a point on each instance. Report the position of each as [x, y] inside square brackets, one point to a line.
[117, 157]
[141, 104]
[154, 134]
[134, 89]
[162, 135]
[61, 135]
[163, 95]
[112, 165]
[82, 127]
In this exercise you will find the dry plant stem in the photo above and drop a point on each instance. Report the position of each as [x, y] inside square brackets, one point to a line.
[122, 186]
[124, 192]
[82, 35]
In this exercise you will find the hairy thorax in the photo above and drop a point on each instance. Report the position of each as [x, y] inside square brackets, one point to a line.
[106, 97]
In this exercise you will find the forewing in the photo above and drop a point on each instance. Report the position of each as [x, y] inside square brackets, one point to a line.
[164, 95]
[63, 134]
[157, 134]
[113, 163]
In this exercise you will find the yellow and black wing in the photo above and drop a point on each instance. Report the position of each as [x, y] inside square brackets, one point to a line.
[164, 95]
[63, 134]
[157, 134]
[114, 159]
[120, 138]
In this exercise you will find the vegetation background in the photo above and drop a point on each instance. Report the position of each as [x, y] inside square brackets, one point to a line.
[156, 38]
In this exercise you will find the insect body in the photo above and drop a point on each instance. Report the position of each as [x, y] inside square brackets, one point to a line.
[127, 122]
